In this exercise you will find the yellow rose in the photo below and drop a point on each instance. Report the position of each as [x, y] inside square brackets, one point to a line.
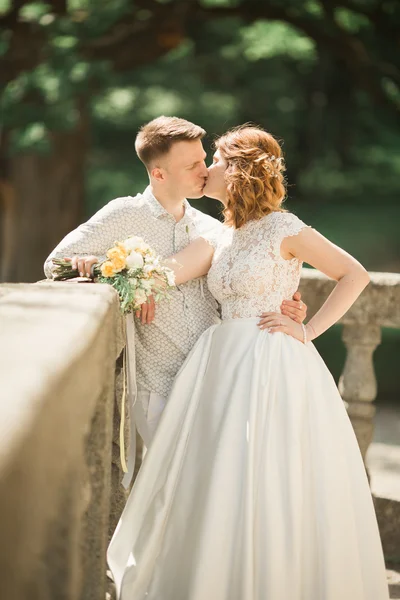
[117, 258]
[107, 269]
[118, 263]
[121, 247]
[115, 253]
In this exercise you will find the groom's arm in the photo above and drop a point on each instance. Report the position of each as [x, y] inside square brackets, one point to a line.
[295, 309]
[92, 239]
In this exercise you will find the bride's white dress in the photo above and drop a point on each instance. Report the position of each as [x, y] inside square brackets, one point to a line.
[254, 487]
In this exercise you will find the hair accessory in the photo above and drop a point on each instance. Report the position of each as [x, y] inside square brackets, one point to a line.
[275, 164]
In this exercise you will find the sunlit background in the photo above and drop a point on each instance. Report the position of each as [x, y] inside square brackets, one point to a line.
[321, 76]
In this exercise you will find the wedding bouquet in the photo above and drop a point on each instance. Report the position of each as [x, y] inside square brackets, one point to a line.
[132, 268]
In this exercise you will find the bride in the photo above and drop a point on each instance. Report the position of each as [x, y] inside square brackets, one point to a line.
[254, 487]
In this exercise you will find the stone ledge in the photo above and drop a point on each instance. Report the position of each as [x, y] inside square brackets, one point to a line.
[44, 328]
[379, 304]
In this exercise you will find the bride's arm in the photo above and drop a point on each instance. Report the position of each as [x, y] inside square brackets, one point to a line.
[191, 262]
[313, 248]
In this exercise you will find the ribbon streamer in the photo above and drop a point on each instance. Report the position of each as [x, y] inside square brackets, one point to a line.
[122, 419]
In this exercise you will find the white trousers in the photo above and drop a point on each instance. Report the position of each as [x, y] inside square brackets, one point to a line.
[147, 412]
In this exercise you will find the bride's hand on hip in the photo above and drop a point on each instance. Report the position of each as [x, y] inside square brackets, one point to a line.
[276, 322]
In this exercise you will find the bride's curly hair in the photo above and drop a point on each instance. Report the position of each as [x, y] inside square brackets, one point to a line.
[254, 175]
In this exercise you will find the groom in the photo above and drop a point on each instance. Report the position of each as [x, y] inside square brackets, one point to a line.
[173, 154]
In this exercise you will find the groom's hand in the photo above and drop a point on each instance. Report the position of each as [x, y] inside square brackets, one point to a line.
[83, 264]
[295, 309]
[146, 314]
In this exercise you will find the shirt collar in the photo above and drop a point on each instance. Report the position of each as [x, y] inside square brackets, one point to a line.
[159, 211]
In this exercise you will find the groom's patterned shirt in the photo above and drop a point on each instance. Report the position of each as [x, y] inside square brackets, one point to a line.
[162, 346]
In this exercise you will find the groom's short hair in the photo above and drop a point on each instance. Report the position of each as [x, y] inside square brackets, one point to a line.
[156, 137]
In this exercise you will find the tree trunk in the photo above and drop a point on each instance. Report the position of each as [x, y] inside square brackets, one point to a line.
[45, 202]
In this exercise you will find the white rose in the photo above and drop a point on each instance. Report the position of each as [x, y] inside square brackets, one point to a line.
[170, 277]
[140, 297]
[135, 243]
[147, 284]
[134, 261]
[149, 259]
[148, 268]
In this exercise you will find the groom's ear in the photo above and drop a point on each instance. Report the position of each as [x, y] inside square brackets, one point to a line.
[158, 174]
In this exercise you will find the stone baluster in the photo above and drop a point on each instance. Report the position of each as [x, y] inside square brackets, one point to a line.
[357, 383]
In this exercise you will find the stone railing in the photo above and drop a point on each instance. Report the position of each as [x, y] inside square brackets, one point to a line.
[60, 360]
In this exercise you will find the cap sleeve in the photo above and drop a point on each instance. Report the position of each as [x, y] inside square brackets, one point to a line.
[285, 225]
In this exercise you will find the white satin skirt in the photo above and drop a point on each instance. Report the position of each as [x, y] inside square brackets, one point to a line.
[254, 487]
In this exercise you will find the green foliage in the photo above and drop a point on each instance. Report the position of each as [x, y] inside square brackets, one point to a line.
[48, 93]
[126, 291]
[350, 20]
[263, 40]
[34, 11]
[5, 6]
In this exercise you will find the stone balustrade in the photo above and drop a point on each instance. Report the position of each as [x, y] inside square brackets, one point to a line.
[60, 357]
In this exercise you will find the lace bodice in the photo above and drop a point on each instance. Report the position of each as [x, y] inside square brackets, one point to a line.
[248, 275]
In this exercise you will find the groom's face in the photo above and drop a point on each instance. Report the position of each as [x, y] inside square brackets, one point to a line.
[184, 170]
